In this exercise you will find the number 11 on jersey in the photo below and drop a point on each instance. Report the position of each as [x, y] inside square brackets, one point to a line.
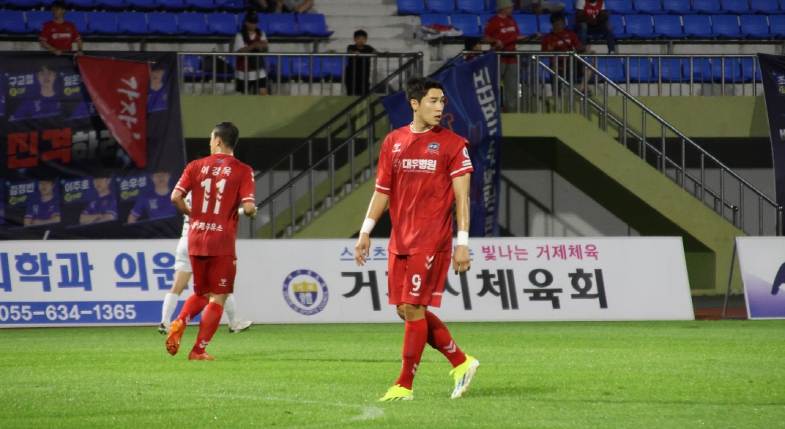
[206, 184]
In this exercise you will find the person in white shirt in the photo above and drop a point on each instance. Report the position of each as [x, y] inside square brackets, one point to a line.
[250, 69]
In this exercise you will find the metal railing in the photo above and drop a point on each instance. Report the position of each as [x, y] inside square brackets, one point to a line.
[519, 211]
[551, 82]
[332, 161]
[286, 74]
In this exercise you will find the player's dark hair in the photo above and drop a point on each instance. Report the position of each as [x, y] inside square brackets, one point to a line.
[228, 133]
[361, 33]
[417, 88]
[59, 4]
[558, 16]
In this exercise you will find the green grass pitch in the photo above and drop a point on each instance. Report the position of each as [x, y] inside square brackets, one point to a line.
[540, 375]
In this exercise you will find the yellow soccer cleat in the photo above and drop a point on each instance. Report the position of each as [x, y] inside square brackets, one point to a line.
[463, 374]
[397, 393]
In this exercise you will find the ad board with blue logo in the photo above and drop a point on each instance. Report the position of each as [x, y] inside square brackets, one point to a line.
[762, 265]
[123, 282]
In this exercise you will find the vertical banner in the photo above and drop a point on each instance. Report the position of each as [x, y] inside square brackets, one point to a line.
[89, 152]
[773, 73]
[471, 111]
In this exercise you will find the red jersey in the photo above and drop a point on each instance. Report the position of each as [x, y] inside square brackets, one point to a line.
[416, 171]
[563, 41]
[591, 11]
[218, 185]
[59, 36]
[506, 30]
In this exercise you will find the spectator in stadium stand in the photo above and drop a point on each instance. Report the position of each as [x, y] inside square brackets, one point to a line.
[251, 39]
[358, 70]
[58, 35]
[592, 18]
[540, 6]
[266, 6]
[297, 6]
[561, 39]
[501, 32]
[282, 6]
[472, 44]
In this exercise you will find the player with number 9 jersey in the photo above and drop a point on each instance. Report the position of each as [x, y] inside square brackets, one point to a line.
[219, 184]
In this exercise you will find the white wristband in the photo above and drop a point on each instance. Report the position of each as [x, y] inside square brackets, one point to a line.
[368, 225]
[463, 238]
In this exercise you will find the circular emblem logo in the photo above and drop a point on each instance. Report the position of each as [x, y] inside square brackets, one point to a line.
[305, 292]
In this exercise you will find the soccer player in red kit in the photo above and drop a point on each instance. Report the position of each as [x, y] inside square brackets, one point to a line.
[218, 184]
[424, 171]
[59, 35]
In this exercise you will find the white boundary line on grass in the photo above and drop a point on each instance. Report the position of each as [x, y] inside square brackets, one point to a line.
[369, 412]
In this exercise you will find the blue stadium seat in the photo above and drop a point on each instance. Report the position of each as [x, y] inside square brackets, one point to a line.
[411, 7]
[484, 17]
[545, 24]
[527, 23]
[192, 68]
[697, 26]
[701, 70]
[569, 6]
[303, 68]
[262, 23]
[618, 26]
[283, 25]
[640, 26]
[736, 6]
[652, 7]
[441, 6]
[285, 64]
[113, 4]
[670, 69]
[230, 5]
[172, 4]
[333, 67]
[143, 4]
[612, 68]
[79, 19]
[755, 27]
[726, 26]
[468, 24]
[224, 24]
[82, 4]
[669, 26]
[132, 23]
[471, 6]
[24, 4]
[707, 6]
[192, 23]
[732, 67]
[677, 7]
[36, 19]
[622, 7]
[205, 5]
[640, 70]
[162, 23]
[765, 7]
[102, 23]
[746, 70]
[13, 22]
[777, 25]
[434, 18]
[313, 24]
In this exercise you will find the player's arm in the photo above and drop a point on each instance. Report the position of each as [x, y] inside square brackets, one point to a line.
[178, 199]
[375, 210]
[460, 186]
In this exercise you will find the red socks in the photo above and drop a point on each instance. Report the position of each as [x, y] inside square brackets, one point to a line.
[207, 327]
[192, 307]
[414, 340]
[440, 339]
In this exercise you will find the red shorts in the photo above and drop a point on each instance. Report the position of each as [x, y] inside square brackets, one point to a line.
[418, 278]
[213, 274]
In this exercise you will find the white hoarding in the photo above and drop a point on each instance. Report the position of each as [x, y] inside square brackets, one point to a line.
[72, 283]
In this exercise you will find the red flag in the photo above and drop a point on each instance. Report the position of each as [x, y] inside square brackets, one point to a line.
[119, 90]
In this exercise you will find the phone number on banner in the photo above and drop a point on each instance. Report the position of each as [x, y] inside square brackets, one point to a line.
[77, 312]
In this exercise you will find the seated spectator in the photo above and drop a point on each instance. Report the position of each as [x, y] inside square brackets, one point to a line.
[251, 39]
[297, 6]
[560, 39]
[593, 18]
[358, 70]
[472, 44]
[59, 35]
[540, 6]
[267, 6]
[282, 6]
[502, 33]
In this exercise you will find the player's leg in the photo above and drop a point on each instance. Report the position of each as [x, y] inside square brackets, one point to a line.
[182, 274]
[193, 305]
[234, 324]
[220, 282]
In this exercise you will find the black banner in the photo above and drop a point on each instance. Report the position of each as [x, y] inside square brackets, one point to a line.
[773, 73]
[63, 174]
